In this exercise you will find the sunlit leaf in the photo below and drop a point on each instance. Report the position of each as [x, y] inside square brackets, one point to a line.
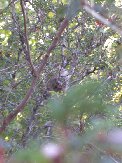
[51, 14]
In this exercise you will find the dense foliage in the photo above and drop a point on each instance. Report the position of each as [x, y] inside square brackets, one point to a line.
[61, 81]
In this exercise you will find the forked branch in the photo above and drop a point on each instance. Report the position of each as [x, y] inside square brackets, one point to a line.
[22, 104]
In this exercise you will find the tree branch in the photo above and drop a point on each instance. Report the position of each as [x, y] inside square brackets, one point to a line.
[22, 104]
[105, 21]
[28, 58]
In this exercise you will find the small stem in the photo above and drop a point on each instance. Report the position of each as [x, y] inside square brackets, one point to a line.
[28, 57]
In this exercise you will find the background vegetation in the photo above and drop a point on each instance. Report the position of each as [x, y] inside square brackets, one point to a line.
[60, 81]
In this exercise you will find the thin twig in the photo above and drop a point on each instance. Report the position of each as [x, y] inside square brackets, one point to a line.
[28, 57]
[21, 36]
